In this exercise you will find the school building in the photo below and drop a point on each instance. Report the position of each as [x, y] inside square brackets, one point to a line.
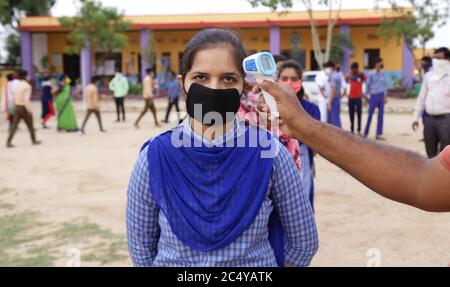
[44, 42]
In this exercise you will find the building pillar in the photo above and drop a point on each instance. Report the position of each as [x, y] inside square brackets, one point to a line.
[145, 36]
[26, 52]
[85, 67]
[407, 66]
[275, 40]
[346, 51]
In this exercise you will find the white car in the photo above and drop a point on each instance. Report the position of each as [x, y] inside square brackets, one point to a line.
[310, 86]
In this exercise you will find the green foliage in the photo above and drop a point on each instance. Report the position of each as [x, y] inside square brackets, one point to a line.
[340, 41]
[415, 25]
[99, 26]
[13, 47]
[135, 89]
[12, 10]
[285, 4]
[10, 13]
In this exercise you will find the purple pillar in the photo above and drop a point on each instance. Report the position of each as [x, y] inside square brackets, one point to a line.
[26, 52]
[275, 40]
[145, 36]
[86, 67]
[346, 51]
[407, 66]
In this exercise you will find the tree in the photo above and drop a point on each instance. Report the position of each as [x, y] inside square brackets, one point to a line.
[98, 26]
[333, 17]
[12, 10]
[10, 13]
[339, 42]
[12, 46]
[415, 25]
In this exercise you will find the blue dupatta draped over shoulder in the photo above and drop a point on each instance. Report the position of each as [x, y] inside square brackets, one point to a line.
[211, 193]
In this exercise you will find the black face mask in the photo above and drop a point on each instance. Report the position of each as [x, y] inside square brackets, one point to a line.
[221, 101]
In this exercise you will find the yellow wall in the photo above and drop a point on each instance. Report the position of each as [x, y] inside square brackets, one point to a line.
[56, 43]
[174, 41]
[256, 40]
[366, 38]
[130, 54]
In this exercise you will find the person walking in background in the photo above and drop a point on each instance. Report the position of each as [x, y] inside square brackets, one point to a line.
[92, 105]
[334, 96]
[48, 110]
[148, 85]
[119, 86]
[11, 84]
[434, 100]
[22, 108]
[356, 79]
[67, 120]
[376, 89]
[173, 90]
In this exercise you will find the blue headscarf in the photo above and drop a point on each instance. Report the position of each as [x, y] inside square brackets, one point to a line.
[209, 194]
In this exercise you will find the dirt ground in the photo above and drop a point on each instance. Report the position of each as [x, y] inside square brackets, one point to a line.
[65, 200]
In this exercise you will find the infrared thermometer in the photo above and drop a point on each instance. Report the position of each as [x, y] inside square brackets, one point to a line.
[262, 67]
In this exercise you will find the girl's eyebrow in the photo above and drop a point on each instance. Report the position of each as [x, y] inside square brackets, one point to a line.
[199, 73]
[231, 74]
[223, 74]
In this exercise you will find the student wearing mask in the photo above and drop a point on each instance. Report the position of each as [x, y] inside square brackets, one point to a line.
[290, 74]
[119, 86]
[334, 96]
[356, 79]
[377, 90]
[322, 82]
[434, 100]
[206, 201]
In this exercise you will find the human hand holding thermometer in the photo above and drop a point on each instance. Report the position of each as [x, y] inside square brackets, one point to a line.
[262, 67]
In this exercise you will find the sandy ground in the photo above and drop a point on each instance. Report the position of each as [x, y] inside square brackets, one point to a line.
[71, 178]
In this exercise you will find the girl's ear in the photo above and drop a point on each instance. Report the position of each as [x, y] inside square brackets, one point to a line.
[248, 86]
[180, 82]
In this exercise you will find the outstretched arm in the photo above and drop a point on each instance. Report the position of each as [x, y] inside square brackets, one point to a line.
[394, 173]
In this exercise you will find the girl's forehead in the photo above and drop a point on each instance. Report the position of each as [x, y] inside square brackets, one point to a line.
[289, 72]
[218, 59]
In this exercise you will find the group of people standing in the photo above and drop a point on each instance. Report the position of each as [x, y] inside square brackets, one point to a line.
[331, 83]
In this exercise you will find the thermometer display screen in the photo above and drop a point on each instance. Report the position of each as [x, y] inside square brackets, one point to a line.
[266, 63]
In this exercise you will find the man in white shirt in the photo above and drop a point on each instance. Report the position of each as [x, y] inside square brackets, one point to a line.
[434, 99]
[322, 83]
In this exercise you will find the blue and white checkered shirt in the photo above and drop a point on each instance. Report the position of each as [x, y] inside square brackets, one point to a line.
[151, 241]
[376, 83]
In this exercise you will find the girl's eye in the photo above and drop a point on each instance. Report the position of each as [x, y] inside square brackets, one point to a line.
[229, 79]
[199, 77]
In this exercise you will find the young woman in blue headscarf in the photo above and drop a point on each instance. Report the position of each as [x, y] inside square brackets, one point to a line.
[215, 191]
